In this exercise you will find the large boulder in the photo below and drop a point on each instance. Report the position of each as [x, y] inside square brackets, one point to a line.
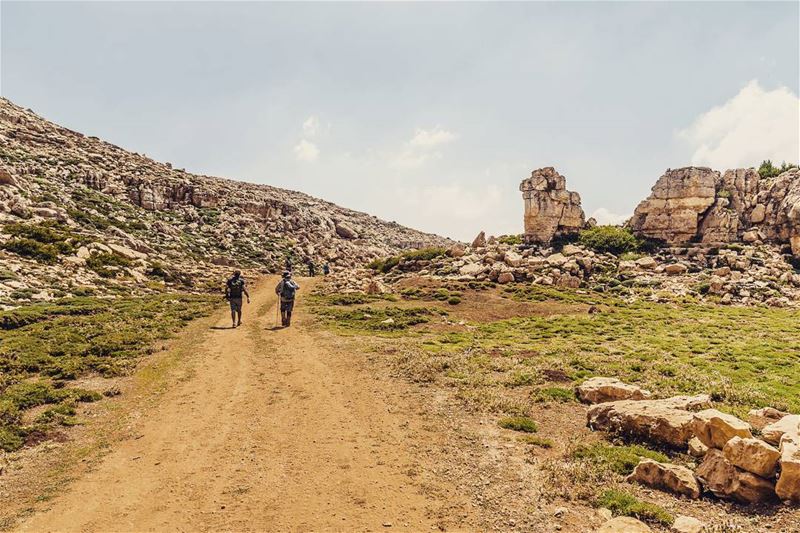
[666, 422]
[724, 480]
[602, 389]
[752, 455]
[715, 428]
[666, 477]
[345, 231]
[479, 241]
[788, 486]
[772, 433]
[550, 209]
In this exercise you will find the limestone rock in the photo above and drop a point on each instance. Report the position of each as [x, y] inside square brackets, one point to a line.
[479, 241]
[772, 433]
[666, 477]
[752, 455]
[724, 480]
[345, 231]
[788, 486]
[676, 269]
[602, 389]
[624, 524]
[715, 428]
[471, 269]
[6, 178]
[666, 422]
[505, 277]
[697, 448]
[550, 209]
[687, 524]
[646, 263]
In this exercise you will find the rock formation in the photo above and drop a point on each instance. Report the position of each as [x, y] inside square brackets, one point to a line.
[697, 204]
[550, 209]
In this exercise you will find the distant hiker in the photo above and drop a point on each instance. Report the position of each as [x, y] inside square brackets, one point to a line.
[287, 289]
[312, 270]
[288, 263]
[234, 288]
[326, 269]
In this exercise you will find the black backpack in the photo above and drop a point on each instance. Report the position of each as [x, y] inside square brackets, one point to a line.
[288, 289]
[235, 287]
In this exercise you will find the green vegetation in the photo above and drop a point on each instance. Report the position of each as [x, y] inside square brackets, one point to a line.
[768, 170]
[619, 459]
[423, 254]
[554, 394]
[609, 239]
[622, 503]
[535, 440]
[43, 242]
[441, 294]
[107, 264]
[45, 346]
[519, 423]
[510, 239]
[379, 319]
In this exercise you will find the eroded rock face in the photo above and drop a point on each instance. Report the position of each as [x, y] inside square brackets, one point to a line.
[788, 486]
[550, 209]
[666, 477]
[602, 389]
[698, 204]
[724, 480]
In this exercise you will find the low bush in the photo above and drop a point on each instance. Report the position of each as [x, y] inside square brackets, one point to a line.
[519, 423]
[619, 459]
[622, 503]
[609, 239]
[768, 170]
[107, 264]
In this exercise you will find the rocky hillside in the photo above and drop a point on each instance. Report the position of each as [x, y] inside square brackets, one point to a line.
[78, 213]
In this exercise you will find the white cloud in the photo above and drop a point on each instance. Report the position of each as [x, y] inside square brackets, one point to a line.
[452, 200]
[752, 126]
[311, 126]
[605, 217]
[306, 151]
[430, 138]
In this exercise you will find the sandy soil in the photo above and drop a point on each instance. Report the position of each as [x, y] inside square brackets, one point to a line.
[272, 430]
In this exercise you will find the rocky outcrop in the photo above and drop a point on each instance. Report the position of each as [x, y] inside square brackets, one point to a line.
[550, 209]
[752, 455]
[698, 204]
[725, 480]
[788, 486]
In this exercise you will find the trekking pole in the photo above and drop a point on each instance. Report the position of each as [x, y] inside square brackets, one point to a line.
[277, 312]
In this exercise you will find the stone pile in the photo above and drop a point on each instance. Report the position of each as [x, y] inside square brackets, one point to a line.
[735, 465]
[198, 226]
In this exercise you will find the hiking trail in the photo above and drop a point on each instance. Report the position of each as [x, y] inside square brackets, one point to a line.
[272, 429]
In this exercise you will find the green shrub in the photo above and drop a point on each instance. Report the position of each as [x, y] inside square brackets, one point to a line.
[519, 423]
[423, 254]
[768, 170]
[43, 253]
[619, 459]
[454, 300]
[42, 242]
[610, 239]
[510, 239]
[622, 503]
[554, 394]
[535, 440]
[100, 263]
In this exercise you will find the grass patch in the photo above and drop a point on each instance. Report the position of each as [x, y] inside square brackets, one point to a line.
[619, 459]
[625, 504]
[106, 264]
[535, 440]
[379, 319]
[554, 394]
[45, 346]
[424, 254]
[518, 423]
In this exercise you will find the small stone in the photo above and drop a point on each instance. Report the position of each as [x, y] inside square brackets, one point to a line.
[687, 524]
[559, 512]
[697, 448]
[624, 524]
[603, 389]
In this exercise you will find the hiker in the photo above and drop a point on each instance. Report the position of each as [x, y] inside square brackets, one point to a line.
[234, 288]
[286, 289]
[288, 263]
[312, 270]
[326, 269]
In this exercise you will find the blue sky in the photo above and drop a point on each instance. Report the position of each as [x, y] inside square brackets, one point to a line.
[428, 114]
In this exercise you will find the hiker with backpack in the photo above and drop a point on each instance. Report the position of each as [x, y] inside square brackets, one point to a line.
[287, 289]
[234, 288]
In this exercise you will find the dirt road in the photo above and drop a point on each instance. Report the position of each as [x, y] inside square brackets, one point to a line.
[274, 430]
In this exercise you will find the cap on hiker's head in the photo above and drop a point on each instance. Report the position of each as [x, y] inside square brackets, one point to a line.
[287, 274]
[237, 272]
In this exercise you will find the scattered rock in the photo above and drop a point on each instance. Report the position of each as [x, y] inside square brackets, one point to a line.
[603, 389]
[479, 241]
[687, 524]
[715, 428]
[624, 524]
[505, 277]
[773, 432]
[788, 486]
[752, 455]
[697, 448]
[666, 477]
[676, 269]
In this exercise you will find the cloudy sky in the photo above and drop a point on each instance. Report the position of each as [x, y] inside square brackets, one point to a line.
[428, 114]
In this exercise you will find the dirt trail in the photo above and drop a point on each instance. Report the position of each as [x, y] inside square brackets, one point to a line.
[273, 430]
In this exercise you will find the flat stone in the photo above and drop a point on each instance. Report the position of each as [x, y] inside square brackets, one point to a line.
[624, 524]
[603, 389]
[772, 433]
[669, 478]
[697, 448]
[687, 524]
[759, 418]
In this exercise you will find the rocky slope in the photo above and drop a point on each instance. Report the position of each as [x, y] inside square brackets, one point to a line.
[78, 212]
